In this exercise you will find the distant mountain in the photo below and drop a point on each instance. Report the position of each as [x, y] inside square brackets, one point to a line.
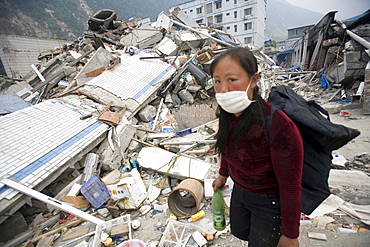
[67, 19]
[281, 15]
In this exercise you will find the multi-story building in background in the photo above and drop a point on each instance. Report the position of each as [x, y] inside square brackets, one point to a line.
[245, 20]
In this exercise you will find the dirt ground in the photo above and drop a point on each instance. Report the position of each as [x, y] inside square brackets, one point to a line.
[155, 225]
[151, 234]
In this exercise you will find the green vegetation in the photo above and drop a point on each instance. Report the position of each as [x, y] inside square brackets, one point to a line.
[130, 8]
[52, 14]
[272, 43]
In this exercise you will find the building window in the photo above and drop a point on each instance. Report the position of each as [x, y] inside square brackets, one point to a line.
[218, 4]
[248, 40]
[227, 14]
[218, 18]
[228, 27]
[235, 28]
[227, 0]
[235, 14]
[235, 1]
[248, 26]
[248, 11]
[199, 21]
[191, 10]
[209, 8]
[199, 10]
[294, 32]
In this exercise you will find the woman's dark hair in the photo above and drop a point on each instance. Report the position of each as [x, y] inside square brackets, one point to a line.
[243, 56]
[254, 114]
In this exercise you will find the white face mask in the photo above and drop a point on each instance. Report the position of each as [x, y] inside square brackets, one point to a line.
[234, 101]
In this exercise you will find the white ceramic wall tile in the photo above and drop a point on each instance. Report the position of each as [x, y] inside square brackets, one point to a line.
[134, 78]
[32, 139]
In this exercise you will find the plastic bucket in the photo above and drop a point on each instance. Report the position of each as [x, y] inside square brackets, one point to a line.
[132, 243]
[185, 199]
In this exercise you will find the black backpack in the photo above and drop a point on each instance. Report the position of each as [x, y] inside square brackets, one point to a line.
[320, 137]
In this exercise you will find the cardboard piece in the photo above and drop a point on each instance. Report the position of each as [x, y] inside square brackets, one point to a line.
[119, 230]
[95, 72]
[110, 117]
[77, 201]
[130, 190]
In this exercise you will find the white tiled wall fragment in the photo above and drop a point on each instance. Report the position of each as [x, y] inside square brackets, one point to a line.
[134, 78]
[30, 138]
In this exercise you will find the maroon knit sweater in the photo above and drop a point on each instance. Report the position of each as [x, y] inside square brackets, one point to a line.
[269, 167]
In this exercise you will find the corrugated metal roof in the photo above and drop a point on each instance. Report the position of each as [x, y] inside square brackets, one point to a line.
[357, 16]
[287, 51]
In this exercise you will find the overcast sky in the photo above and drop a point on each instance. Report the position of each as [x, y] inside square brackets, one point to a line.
[345, 8]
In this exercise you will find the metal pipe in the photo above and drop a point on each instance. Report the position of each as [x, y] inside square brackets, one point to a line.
[354, 36]
[49, 200]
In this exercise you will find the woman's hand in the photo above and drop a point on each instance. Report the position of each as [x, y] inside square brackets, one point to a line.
[288, 242]
[219, 182]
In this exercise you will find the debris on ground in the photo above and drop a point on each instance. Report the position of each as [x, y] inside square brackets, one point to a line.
[133, 148]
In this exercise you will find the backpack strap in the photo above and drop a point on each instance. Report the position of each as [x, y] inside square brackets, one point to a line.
[319, 108]
[269, 121]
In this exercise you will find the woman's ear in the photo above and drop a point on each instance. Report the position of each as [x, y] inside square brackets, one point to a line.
[254, 80]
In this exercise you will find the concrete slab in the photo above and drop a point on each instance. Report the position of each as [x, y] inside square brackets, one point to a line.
[38, 143]
[179, 166]
[101, 58]
[11, 102]
[132, 83]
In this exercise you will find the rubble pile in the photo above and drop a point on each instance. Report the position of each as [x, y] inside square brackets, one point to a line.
[149, 84]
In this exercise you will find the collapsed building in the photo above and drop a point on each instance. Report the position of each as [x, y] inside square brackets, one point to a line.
[128, 95]
[337, 50]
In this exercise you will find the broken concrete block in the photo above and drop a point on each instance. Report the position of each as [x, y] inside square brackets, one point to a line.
[142, 37]
[167, 46]
[332, 107]
[120, 230]
[148, 113]
[109, 160]
[182, 167]
[316, 235]
[134, 146]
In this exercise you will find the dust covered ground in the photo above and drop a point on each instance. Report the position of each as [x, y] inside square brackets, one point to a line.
[151, 234]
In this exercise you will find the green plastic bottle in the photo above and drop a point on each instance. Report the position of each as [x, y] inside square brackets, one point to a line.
[218, 211]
